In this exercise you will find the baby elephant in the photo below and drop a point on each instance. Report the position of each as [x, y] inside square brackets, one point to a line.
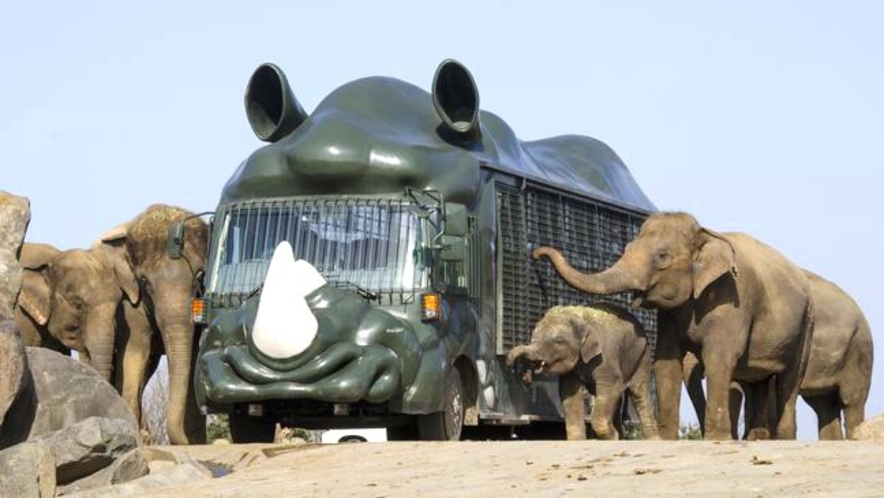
[602, 347]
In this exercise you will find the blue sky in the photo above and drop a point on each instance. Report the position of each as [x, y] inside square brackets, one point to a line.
[760, 117]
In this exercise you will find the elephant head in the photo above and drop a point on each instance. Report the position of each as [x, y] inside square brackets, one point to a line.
[166, 288]
[560, 339]
[672, 261]
[74, 295]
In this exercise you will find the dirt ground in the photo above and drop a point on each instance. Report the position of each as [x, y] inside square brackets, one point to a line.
[559, 468]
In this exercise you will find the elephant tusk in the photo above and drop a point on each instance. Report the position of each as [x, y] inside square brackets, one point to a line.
[540, 368]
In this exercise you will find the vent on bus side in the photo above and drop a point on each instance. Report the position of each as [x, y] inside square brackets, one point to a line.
[592, 236]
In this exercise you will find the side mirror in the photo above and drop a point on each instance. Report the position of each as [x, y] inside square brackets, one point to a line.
[456, 219]
[175, 243]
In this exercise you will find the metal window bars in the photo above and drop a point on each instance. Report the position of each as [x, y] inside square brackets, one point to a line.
[591, 236]
[370, 244]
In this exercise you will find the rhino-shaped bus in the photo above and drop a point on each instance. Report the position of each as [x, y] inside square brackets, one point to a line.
[370, 266]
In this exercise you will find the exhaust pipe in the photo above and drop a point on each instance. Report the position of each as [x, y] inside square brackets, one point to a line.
[271, 106]
[456, 99]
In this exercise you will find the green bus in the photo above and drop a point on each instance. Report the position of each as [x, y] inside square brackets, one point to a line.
[370, 266]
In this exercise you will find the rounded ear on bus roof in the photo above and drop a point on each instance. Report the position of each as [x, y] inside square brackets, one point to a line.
[456, 99]
[271, 106]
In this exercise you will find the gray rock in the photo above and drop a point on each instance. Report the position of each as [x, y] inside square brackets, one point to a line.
[13, 365]
[871, 430]
[27, 470]
[127, 468]
[68, 391]
[179, 475]
[88, 446]
[15, 214]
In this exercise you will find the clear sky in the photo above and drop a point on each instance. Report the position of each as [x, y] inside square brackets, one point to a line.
[762, 117]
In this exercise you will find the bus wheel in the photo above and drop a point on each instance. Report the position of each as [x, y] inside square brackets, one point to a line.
[446, 425]
[247, 429]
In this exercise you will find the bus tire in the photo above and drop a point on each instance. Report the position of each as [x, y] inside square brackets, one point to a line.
[446, 425]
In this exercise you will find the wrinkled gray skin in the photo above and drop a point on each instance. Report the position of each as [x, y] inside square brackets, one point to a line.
[739, 305]
[69, 300]
[600, 348]
[839, 369]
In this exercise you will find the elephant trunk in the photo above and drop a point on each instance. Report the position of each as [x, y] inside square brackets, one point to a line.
[611, 281]
[99, 339]
[176, 327]
[528, 352]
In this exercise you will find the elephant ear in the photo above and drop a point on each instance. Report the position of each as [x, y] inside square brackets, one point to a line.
[35, 289]
[589, 344]
[113, 244]
[715, 257]
[590, 347]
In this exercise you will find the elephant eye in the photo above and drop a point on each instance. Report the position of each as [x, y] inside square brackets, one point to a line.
[663, 258]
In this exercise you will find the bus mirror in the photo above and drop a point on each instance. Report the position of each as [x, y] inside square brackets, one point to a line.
[455, 219]
[175, 243]
[452, 248]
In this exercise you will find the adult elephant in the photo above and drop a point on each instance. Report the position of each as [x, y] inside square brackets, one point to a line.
[162, 308]
[739, 305]
[69, 300]
[839, 369]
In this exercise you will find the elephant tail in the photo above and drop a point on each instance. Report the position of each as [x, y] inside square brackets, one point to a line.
[807, 337]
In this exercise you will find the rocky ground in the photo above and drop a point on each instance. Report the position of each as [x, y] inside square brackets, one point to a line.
[537, 469]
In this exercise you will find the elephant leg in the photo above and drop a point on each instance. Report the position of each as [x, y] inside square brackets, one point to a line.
[735, 400]
[787, 384]
[828, 416]
[573, 394]
[640, 390]
[853, 416]
[136, 354]
[759, 401]
[693, 381]
[719, 374]
[607, 405]
[668, 377]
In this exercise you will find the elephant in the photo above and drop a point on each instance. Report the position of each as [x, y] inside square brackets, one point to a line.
[69, 300]
[839, 369]
[113, 301]
[162, 308]
[742, 307]
[601, 348]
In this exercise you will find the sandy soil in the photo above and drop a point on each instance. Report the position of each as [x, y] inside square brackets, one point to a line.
[489, 469]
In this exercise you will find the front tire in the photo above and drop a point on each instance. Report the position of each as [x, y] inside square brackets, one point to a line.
[247, 429]
[446, 425]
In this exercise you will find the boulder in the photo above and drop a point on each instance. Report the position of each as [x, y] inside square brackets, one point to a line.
[13, 365]
[27, 470]
[168, 479]
[86, 447]
[871, 430]
[68, 392]
[15, 214]
[127, 468]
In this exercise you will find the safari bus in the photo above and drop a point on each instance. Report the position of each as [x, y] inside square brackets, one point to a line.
[371, 265]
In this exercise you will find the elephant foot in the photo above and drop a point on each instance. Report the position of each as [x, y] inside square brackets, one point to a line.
[758, 434]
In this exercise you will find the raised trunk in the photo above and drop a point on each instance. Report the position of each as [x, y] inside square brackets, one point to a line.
[611, 281]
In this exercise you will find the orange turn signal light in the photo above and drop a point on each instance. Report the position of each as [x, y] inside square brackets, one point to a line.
[430, 307]
[198, 310]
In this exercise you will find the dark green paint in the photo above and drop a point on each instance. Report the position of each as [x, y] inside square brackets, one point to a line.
[382, 136]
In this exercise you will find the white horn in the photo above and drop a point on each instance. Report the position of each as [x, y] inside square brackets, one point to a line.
[284, 325]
